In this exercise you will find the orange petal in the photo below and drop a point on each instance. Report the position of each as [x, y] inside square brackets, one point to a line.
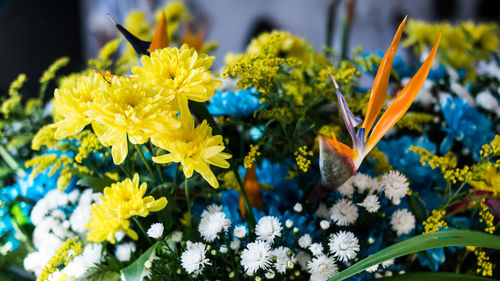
[160, 39]
[252, 189]
[342, 148]
[379, 89]
[403, 101]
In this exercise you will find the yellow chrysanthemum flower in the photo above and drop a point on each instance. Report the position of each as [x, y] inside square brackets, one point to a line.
[72, 104]
[182, 73]
[121, 201]
[195, 148]
[130, 108]
[105, 222]
[126, 197]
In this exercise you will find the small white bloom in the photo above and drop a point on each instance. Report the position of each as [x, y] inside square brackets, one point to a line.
[322, 268]
[388, 273]
[270, 274]
[366, 183]
[223, 249]
[257, 255]
[370, 203]
[344, 245]
[324, 224]
[124, 251]
[402, 221]
[316, 249]
[305, 241]
[268, 228]
[298, 207]
[176, 236]
[193, 259]
[387, 263]
[303, 258]
[282, 259]
[235, 244]
[214, 208]
[371, 240]
[344, 212]
[395, 186]
[346, 189]
[212, 224]
[288, 223]
[322, 211]
[372, 268]
[155, 230]
[487, 101]
[240, 231]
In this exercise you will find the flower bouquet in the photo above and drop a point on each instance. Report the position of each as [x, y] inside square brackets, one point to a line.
[148, 165]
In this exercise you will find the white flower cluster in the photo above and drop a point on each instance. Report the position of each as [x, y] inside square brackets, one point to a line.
[53, 226]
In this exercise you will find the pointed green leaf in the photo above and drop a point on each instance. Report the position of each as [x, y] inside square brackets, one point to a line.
[434, 276]
[137, 270]
[423, 242]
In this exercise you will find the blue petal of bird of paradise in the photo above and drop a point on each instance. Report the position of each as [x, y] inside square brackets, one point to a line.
[350, 121]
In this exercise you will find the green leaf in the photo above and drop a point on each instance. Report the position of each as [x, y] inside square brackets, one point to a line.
[423, 242]
[96, 183]
[434, 276]
[137, 270]
[103, 275]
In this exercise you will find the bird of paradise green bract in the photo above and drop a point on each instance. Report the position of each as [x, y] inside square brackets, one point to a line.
[338, 161]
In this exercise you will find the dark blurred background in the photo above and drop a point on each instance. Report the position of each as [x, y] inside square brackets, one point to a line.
[33, 33]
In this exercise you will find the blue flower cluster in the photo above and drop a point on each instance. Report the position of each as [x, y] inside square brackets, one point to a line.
[15, 207]
[465, 124]
[240, 103]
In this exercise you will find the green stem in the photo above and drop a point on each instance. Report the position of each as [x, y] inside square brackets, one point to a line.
[330, 23]
[149, 147]
[186, 188]
[201, 110]
[142, 229]
[346, 28]
[122, 167]
[175, 172]
[11, 162]
[146, 163]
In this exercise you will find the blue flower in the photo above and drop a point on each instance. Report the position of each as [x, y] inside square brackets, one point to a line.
[408, 162]
[240, 103]
[432, 258]
[465, 124]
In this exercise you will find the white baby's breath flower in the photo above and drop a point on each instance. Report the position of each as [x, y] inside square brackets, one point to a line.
[346, 189]
[235, 244]
[344, 212]
[316, 249]
[344, 245]
[387, 263]
[298, 207]
[402, 221]
[305, 241]
[303, 258]
[223, 249]
[214, 208]
[268, 228]
[176, 236]
[270, 274]
[212, 224]
[366, 183]
[193, 259]
[240, 231]
[124, 251]
[322, 211]
[322, 268]
[372, 268]
[395, 186]
[324, 224]
[288, 223]
[257, 255]
[282, 259]
[155, 230]
[370, 203]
